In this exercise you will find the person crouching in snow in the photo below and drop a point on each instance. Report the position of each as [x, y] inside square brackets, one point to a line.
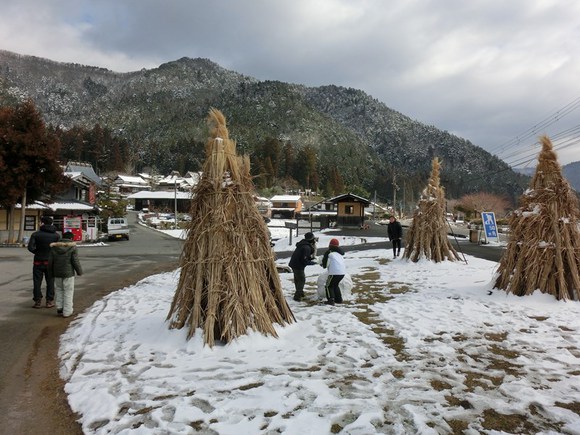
[334, 261]
[63, 262]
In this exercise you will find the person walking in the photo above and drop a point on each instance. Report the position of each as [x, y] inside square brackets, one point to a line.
[395, 232]
[63, 262]
[302, 256]
[39, 245]
[334, 261]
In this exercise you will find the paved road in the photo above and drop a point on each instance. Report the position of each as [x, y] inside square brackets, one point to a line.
[29, 382]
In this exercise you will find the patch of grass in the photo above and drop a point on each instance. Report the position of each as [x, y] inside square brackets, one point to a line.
[305, 369]
[336, 428]
[506, 366]
[250, 386]
[456, 402]
[165, 397]
[270, 413]
[398, 374]
[197, 425]
[146, 410]
[506, 353]
[565, 328]
[457, 426]
[440, 385]
[460, 337]
[474, 380]
[572, 406]
[511, 423]
[539, 318]
[400, 290]
[372, 275]
[496, 336]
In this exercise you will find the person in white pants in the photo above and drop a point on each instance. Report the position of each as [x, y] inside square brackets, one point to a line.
[63, 262]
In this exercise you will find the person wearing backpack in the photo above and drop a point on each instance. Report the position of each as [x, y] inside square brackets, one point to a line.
[63, 262]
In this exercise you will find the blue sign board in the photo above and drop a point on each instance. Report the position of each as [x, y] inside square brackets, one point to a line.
[489, 225]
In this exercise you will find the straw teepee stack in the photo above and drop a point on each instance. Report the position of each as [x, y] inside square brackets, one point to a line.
[229, 282]
[427, 236]
[543, 251]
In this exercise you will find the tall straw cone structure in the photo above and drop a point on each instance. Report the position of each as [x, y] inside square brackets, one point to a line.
[543, 251]
[427, 236]
[228, 283]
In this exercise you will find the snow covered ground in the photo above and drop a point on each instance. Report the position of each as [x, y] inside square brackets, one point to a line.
[421, 348]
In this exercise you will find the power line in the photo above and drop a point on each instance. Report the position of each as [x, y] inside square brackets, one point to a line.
[537, 128]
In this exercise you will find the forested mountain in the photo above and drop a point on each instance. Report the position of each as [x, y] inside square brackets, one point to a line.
[326, 138]
[572, 173]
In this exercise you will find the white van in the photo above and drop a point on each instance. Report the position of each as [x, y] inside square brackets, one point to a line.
[118, 228]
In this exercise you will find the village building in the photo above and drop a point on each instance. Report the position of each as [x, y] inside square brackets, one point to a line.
[286, 206]
[128, 184]
[350, 210]
[162, 201]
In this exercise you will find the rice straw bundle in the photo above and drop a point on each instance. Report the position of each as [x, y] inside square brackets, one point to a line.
[229, 283]
[543, 251]
[427, 236]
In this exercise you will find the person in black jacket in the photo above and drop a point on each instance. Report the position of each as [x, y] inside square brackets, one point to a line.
[302, 256]
[39, 245]
[395, 232]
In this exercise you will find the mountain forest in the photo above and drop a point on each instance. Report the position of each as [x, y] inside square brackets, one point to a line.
[328, 139]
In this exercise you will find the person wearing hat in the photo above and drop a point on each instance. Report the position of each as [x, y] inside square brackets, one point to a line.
[334, 261]
[302, 256]
[39, 245]
[63, 262]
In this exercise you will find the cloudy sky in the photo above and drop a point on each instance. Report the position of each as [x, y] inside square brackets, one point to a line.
[498, 73]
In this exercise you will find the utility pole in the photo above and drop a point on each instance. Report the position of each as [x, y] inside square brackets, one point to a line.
[395, 188]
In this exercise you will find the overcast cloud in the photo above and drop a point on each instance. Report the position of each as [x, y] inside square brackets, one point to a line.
[486, 70]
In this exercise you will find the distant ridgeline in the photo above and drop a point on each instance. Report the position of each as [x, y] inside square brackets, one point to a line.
[571, 171]
[328, 138]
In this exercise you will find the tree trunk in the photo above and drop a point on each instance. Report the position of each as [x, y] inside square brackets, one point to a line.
[22, 217]
[11, 224]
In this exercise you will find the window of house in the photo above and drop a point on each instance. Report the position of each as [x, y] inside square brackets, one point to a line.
[348, 209]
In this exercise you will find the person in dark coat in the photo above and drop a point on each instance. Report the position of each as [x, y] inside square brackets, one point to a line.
[39, 245]
[395, 232]
[63, 262]
[302, 256]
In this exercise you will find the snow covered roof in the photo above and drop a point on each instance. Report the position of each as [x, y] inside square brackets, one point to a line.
[130, 179]
[86, 169]
[37, 205]
[160, 194]
[286, 198]
[69, 206]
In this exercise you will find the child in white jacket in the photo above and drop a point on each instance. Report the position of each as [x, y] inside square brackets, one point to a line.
[334, 260]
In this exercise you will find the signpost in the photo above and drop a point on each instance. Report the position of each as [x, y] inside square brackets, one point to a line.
[290, 226]
[490, 226]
